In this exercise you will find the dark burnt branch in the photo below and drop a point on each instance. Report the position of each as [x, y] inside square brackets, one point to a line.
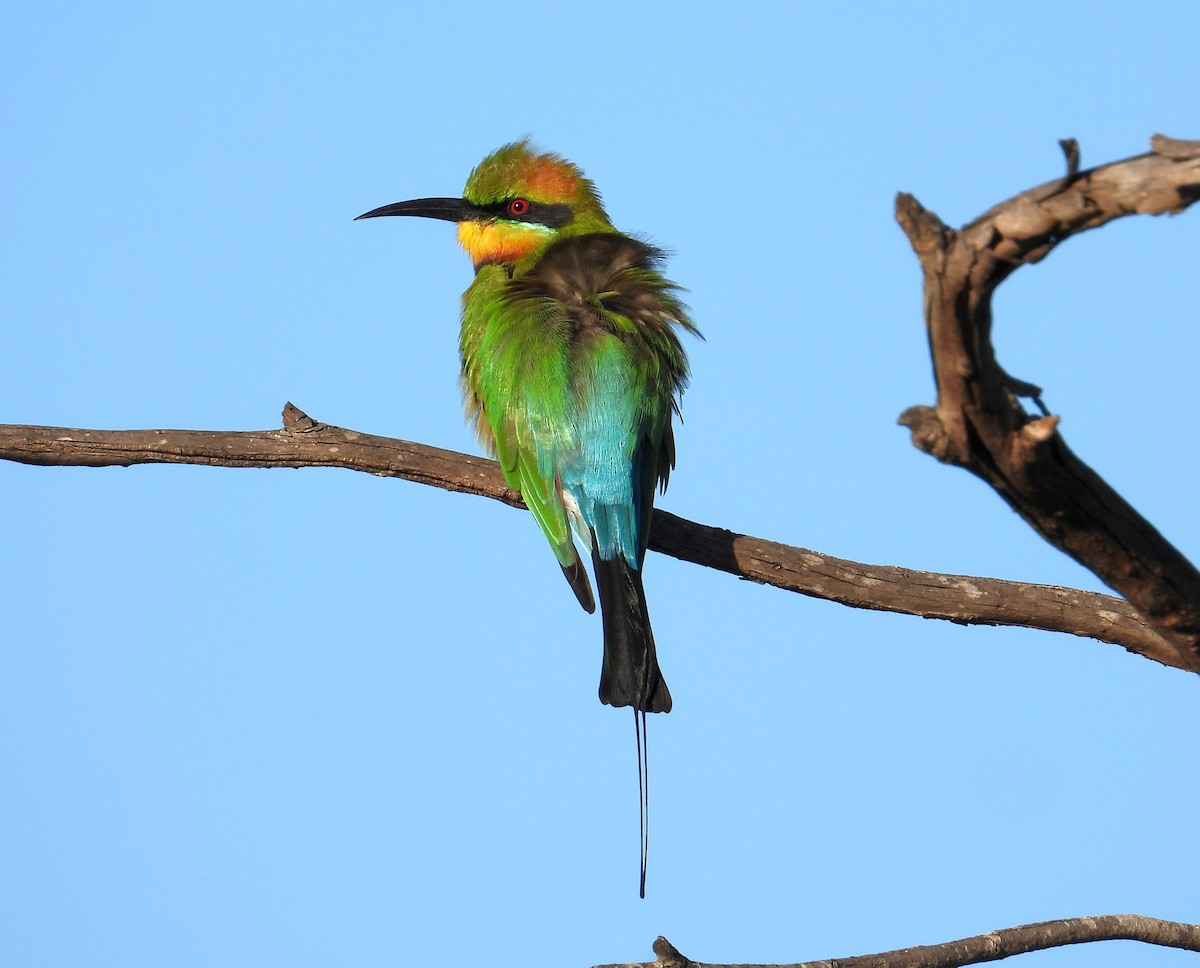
[302, 442]
[982, 947]
[978, 421]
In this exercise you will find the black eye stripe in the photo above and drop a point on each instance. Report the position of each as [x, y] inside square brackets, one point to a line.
[551, 214]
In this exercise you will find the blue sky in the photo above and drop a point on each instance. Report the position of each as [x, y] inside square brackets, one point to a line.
[312, 718]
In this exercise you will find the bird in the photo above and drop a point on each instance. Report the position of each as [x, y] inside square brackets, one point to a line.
[572, 373]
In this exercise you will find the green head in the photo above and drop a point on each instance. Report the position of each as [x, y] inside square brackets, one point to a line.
[517, 202]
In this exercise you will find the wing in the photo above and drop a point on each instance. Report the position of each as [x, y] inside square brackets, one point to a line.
[618, 317]
[514, 374]
[573, 371]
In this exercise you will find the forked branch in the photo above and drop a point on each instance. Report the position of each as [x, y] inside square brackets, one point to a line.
[979, 422]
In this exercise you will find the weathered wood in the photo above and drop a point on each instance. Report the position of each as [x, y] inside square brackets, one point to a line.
[303, 442]
[979, 422]
[980, 948]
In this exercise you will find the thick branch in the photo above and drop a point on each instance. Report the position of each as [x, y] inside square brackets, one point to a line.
[302, 442]
[979, 422]
[982, 947]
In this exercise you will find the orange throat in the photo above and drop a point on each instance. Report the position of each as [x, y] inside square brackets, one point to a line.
[506, 243]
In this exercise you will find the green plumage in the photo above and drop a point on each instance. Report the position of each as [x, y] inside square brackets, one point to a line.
[572, 369]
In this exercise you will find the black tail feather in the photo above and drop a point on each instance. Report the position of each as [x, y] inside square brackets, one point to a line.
[630, 675]
[643, 760]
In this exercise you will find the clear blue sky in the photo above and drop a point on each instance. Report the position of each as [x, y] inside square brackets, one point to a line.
[260, 718]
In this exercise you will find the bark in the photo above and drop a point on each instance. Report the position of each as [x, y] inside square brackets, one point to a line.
[303, 442]
[979, 422]
[982, 947]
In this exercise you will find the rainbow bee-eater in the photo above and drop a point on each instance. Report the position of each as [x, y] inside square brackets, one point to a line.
[571, 370]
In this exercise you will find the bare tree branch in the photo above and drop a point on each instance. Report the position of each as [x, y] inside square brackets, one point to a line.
[303, 442]
[978, 421]
[982, 947]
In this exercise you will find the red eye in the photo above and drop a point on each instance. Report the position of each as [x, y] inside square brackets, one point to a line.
[518, 207]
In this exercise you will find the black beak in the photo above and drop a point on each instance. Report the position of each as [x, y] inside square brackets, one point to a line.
[448, 209]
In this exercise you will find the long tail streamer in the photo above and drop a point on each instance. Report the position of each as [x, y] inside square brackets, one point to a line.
[643, 758]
